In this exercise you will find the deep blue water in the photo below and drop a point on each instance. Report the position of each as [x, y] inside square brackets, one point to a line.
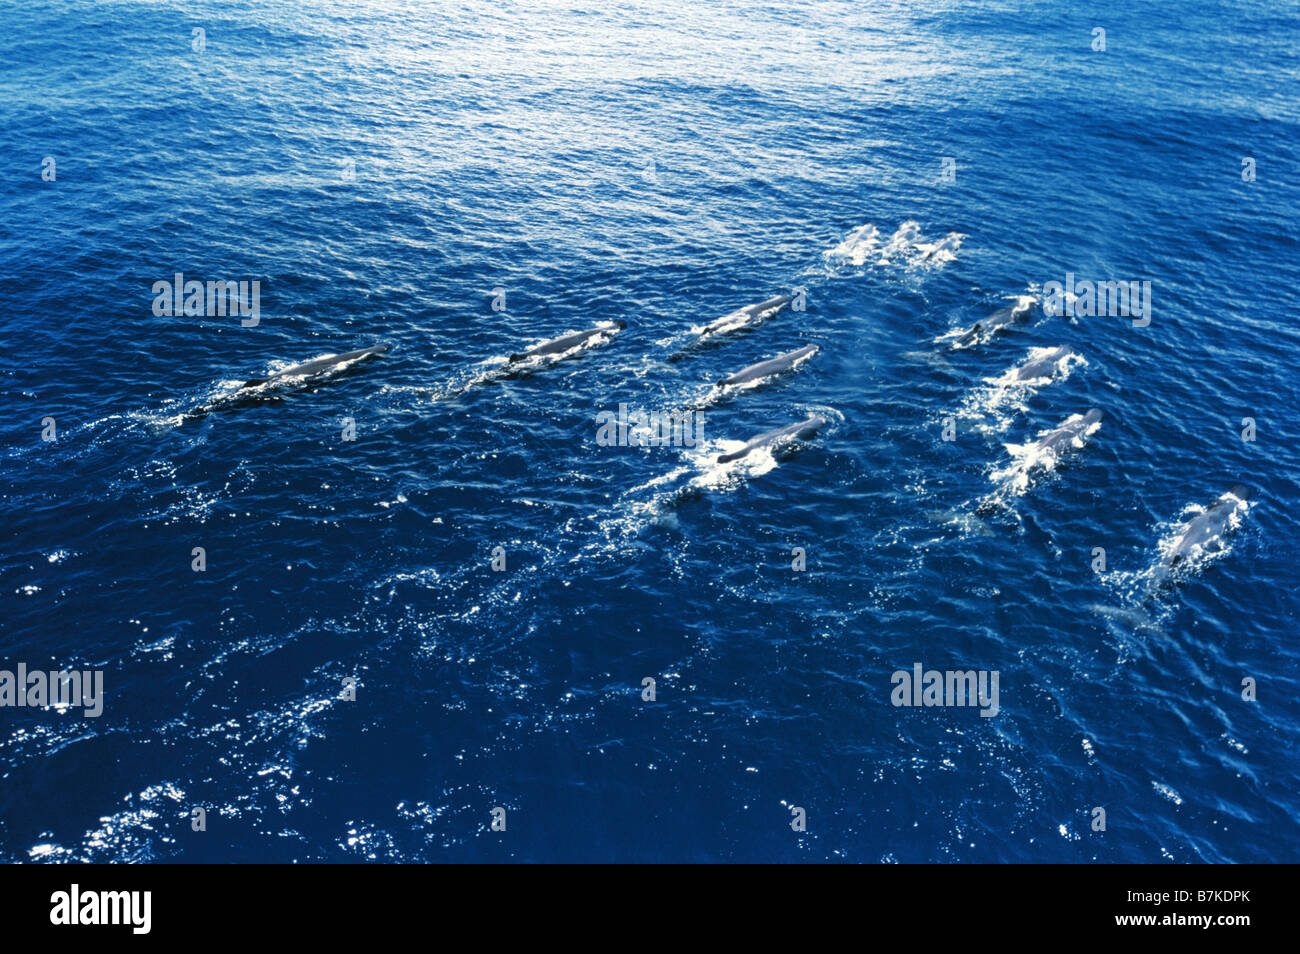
[381, 171]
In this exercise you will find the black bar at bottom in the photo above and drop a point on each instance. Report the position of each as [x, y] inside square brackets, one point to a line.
[335, 904]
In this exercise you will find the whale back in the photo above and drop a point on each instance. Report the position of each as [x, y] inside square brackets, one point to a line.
[800, 430]
[762, 369]
[317, 365]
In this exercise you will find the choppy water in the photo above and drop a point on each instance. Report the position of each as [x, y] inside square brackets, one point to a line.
[383, 172]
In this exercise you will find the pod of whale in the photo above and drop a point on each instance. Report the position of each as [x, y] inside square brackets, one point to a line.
[568, 342]
[765, 369]
[1203, 534]
[777, 439]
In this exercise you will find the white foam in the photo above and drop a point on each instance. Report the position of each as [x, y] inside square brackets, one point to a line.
[857, 246]
[906, 246]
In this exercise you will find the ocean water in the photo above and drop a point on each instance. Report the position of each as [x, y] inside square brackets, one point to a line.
[462, 180]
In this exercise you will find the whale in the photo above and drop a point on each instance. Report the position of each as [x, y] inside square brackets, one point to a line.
[254, 391]
[1043, 366]
[1041, 454]
[1069, 434]
[764, 369]
[566, 342]
[1205, 532]
[949, 243]
[1004, 319]
[778, 438]
[746, 316]
[316, 366]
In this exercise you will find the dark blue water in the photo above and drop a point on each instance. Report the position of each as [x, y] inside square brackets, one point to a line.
[381, 171]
